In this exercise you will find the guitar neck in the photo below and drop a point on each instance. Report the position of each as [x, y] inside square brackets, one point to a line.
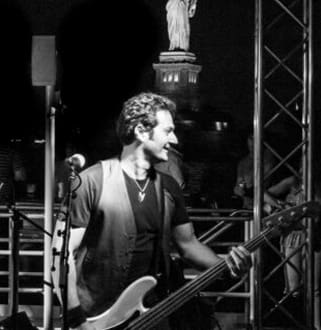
[188, 291]
[273, 223]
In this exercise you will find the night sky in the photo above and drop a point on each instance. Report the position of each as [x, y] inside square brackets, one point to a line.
[106, 50]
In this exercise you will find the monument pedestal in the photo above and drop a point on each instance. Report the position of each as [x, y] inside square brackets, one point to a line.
[177, 57]
[178, 78]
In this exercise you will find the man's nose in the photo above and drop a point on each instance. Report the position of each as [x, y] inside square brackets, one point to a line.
[173, 139]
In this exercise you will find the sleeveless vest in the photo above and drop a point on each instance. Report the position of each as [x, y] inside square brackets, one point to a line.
[106, 251]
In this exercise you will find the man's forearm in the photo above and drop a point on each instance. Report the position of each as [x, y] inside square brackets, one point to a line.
[201, 256]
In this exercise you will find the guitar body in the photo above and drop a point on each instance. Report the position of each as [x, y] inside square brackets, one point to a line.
[122, 315]
[130, 302]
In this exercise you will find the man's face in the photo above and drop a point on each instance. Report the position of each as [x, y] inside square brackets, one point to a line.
[162, 135]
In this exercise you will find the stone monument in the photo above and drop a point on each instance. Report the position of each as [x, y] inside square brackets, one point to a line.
[177, 73]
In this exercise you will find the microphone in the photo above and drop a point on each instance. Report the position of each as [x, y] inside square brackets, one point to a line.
[77, 160]
[57, 102]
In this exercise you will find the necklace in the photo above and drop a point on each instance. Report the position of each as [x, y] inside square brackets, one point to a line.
[141, 193]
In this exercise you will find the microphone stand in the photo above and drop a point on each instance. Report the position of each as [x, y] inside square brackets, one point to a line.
[64, 253]
[16, 226]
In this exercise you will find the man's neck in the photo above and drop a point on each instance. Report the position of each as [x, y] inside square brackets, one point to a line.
[134, 162]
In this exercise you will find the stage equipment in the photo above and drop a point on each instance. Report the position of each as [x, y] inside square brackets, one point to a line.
[17, 224]
[43, 65]
[77, 160]
[19, 321]
[43, 62]
[74, 166]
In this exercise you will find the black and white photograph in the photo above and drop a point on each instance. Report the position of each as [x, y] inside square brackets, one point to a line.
[160, 166]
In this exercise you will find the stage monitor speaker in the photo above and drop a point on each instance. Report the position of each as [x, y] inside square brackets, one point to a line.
[22, 323]
[43, 61]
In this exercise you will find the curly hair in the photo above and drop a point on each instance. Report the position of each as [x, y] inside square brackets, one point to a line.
[141, 109]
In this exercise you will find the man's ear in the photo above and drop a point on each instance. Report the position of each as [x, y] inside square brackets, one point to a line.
[140, 133]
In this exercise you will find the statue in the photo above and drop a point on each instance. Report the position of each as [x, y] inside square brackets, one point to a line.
[178, 14]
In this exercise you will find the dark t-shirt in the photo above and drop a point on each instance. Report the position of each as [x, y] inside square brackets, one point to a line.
[148, 221]
[147, 215]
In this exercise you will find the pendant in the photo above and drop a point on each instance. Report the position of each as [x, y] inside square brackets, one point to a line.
[141, 196]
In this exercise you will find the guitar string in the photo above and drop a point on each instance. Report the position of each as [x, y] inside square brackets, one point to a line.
[203, 283]
[150, 319]
[171, 307]
[250, 245]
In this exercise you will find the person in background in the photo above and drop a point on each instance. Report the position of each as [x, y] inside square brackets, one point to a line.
[12, 185]
[125, 214]
[317, 254]
[289, 192]
[12, 173]
[244, 185]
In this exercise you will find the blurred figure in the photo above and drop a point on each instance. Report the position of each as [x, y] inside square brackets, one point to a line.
[291, 192]
[12, 180]
[244, 185]
[317, 257]
[12, 174]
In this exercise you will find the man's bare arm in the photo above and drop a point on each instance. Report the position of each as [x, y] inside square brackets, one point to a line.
[191, 249]
[203, 257]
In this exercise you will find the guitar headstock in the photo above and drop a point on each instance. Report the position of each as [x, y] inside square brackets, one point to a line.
[288, 218]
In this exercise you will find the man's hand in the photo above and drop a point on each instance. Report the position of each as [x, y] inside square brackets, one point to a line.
[239, 190]
[239, 261]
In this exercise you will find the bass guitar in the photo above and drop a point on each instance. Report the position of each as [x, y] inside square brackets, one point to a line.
[123, 314]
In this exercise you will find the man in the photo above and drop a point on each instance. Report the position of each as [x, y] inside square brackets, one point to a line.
[291, 191]
[12, 173]
[124, 213]
[245, 179]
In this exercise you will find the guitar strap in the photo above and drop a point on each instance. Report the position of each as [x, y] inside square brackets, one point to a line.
[161, 245]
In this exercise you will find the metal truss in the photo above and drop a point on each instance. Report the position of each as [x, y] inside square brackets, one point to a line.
[283, 126]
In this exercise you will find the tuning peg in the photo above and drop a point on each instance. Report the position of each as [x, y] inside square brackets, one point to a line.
[280, 219]
[60, 232]
[55, 252]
